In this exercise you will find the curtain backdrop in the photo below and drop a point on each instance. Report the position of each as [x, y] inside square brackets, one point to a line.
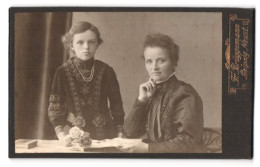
[38, 52]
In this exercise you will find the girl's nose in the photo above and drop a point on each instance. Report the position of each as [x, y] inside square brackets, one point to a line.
[85, 45]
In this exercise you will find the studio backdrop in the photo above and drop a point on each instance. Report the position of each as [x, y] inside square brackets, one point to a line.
[39, 51]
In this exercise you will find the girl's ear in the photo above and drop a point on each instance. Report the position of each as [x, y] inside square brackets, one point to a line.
[71, 48]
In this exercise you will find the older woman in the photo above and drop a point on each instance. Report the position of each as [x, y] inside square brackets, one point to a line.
[82, 87]
[168, 110]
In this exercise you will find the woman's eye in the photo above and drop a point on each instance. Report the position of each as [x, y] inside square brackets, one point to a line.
[80, 42]
[162, 60]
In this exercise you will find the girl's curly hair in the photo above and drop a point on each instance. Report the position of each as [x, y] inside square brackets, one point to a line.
[79, 27]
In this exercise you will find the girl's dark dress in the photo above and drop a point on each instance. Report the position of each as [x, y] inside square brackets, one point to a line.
[98, 101]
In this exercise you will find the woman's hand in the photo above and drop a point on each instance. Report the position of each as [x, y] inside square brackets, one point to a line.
[139, 147]
[146, 90]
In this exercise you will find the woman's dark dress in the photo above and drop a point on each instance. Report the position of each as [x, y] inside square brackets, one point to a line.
[172, 118]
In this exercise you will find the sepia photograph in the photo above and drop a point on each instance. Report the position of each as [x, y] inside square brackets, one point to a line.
[113, 82]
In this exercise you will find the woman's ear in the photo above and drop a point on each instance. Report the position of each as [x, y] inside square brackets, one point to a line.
[98, 45]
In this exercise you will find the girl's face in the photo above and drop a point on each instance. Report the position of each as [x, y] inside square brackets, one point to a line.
[85, 45]
[158, 63]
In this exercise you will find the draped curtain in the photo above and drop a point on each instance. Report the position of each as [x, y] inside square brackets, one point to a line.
[38, 53]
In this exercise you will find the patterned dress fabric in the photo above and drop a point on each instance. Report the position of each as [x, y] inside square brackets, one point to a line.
[98, 101]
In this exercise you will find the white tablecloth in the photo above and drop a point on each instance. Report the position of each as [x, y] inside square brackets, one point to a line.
[54, 146]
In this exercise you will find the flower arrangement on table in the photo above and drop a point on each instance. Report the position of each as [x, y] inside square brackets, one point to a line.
[77, 135]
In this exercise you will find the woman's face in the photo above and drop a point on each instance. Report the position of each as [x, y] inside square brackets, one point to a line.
[85, 45]
[158, 63]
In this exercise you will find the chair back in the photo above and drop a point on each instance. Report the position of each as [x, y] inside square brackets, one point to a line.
[212, 140]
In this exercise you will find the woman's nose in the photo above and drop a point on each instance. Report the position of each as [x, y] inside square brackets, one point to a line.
[155, 66]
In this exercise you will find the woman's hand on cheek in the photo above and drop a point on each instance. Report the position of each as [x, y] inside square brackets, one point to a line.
[146, 90]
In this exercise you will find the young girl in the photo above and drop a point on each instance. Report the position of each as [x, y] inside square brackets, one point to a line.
[82, 87]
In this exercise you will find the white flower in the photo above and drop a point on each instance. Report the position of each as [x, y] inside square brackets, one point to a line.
[75, 132]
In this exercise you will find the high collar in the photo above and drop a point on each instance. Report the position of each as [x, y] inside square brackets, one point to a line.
[172, 82]
[87, 64]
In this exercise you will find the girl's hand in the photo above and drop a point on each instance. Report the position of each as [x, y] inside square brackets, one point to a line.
[120, 135]
[61, 136]
[146, 90]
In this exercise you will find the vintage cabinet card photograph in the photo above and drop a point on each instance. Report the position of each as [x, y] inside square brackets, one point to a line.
[126, 82]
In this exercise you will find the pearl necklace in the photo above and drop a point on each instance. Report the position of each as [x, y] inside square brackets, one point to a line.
[87, 79]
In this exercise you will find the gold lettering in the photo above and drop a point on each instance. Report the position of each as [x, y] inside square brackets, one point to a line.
[245, 68]
[244, 41]
[243, 72]
[234, 78]
[245, 22]
[245, 55]
[235, 66]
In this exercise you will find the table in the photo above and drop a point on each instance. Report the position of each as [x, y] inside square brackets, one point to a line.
[55, 146]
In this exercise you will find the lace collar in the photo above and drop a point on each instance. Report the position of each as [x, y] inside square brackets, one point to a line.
[83, 65]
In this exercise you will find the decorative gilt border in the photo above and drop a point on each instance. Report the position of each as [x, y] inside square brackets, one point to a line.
[232, 18]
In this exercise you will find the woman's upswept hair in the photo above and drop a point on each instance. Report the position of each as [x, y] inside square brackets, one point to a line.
[79, 27]
[163, 41]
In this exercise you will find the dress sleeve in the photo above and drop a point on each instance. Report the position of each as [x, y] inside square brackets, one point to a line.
[56, 110]
[114, 96]
[135, 124]
[188, 122]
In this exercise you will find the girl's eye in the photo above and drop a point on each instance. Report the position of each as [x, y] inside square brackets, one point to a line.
[91, 42]
[148, 61]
